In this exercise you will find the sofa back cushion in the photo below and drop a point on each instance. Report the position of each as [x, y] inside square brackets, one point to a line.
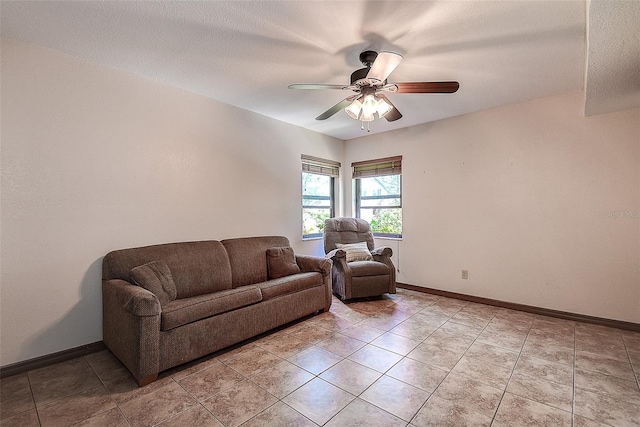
[248, 258]
[197, 268]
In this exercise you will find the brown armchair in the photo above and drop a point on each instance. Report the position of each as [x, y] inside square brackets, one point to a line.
[357, 279]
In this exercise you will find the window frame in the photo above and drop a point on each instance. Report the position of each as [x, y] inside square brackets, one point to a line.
[322, 167]
[375, 168]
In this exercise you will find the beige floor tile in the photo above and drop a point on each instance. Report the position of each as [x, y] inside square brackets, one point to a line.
[332, 322]
[551, 353]
[418, 374]
[239, 403]
[605, 348]
[375, 358]
[396, 397]
[360, 413]
[414, 330]
[285, 346]
[341, 345]
[631, 341]
[315, 359]
[518, 411]
[458, 329]
[476, 396]
[492, 354]
[438, 412]
[311, 333]
[111, 418]
[23, 419]
[449, 341]
[196, 416]
[252, 361]
[351, 376]
[107, 366]
[395, 343]
[604, 409]
[614, 387]
[435, 355]
[540, 368]
[159, 405]
[75, 408]
[362, 332]
[470, 319]
[580, 421]
[542, 391]
[282, 378]
[179, 372]
[61, 380]
[318, 400]
[279, 415]
[15, 395]
[204, 384]
[511, 341]
[495, 375]
[124, 389]
[605, 365]
[384, 321]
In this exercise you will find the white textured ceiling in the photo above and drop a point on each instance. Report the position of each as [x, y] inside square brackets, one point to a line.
[246, 53]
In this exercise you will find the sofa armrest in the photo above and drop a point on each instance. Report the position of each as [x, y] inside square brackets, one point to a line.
[131, 327]
[308, 263]
[134, 299]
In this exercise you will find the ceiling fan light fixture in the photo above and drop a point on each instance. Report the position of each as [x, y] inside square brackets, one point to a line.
[369, 106]
[354, 109]
[383, 107]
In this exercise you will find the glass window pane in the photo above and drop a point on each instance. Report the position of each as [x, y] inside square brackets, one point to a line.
[380, 186]
[313, 220]
[372, 203]
[388, 221]
[316, 185]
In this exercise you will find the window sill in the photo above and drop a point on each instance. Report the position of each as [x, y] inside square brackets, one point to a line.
[387, 238]
[304, 239]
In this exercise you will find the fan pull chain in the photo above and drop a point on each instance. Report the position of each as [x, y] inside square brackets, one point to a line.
[368, 128]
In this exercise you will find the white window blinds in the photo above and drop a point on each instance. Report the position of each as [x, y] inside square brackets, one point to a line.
[377, 167]
[320, 166]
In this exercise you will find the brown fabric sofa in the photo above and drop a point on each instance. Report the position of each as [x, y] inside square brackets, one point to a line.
[362, 278]
[222, 293]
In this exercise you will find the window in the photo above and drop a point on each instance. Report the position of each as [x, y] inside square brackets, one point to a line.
[318, 198]
[379, 194]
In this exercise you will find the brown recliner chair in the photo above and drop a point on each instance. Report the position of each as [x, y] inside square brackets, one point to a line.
[357, 279]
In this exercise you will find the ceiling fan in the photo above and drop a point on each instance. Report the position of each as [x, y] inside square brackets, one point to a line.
[369, 85]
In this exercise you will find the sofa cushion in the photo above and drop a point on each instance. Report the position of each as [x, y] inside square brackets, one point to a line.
[155, 277]
[248, 258]
[368, 268]
[183, 311]
[356, 251]
[281, 262]
[198, 268]
[289, 284]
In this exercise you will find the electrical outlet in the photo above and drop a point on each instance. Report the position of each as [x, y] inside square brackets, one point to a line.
[465, 274]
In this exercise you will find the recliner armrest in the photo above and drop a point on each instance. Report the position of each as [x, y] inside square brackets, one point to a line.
[382, 251]
[336, 253]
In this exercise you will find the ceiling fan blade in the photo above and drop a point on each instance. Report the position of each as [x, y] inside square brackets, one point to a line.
[384, 65]
[317, 86]
[427, 87]
[339, 106]
[392, 115]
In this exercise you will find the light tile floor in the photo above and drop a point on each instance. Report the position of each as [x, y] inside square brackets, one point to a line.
[406, 359]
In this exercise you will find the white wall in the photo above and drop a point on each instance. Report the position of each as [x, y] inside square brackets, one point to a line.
[520, 197]
[95, 159]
